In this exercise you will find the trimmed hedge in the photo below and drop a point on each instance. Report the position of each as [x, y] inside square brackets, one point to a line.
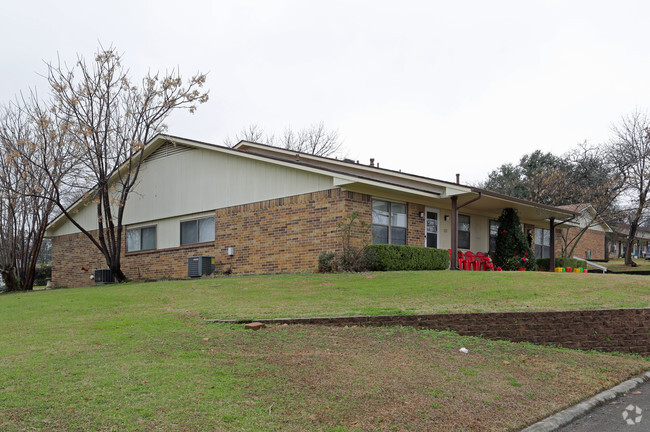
[398, 257]
[543, 263]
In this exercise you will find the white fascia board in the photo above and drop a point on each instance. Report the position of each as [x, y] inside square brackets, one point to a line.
[453, 191]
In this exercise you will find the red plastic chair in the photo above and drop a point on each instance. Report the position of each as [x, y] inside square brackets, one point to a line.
[485, 262]
[461, 259]
[471, 263]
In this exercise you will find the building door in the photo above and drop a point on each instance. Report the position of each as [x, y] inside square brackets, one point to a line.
[432, 227]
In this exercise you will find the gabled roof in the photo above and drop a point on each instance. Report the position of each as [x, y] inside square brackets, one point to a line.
[349, 174]
[583, 209]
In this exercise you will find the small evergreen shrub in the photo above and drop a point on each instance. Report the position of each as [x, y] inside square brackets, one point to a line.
[399, 257]
[543, 263]
[326, 262]
[512, 248]
[41, 274]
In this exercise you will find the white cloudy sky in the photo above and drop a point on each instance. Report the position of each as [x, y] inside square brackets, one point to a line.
[429, 87]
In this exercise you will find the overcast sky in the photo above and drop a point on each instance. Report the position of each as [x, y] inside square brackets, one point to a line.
[429, 87]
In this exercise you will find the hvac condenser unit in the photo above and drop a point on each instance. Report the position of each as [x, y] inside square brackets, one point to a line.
[103, 276]
[199, 265]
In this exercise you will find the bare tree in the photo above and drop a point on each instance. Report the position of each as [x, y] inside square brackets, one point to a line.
[28, 136]
[629, 152]
[316, 139]
[108, 121]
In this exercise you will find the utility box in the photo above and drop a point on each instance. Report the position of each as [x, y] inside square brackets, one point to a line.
[103, 276]
[198, 266]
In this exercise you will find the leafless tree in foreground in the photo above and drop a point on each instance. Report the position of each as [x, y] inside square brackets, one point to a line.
[629, 152]
[28, 136]
[316, 139]
[108, 121]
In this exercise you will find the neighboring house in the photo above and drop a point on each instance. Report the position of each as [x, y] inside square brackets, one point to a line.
[588, 230]
[618, 244]
[278, 210]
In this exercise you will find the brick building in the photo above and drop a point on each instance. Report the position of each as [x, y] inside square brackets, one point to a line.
[276, 210]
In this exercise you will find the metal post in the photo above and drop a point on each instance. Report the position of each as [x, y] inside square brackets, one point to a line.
[454, 233]
[551, 264]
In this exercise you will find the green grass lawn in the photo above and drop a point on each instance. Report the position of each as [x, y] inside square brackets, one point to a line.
[308, 295]
[619, 265]
[139, 357]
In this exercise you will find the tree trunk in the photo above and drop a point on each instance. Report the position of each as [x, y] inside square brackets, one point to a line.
[10, 280]
[118, 274]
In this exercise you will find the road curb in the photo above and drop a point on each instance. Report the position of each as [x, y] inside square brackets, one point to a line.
[566, 416]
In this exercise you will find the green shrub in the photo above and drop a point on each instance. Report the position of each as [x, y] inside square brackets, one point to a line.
[399, 257]
[543, 263]
[41, 274]
[326, 262]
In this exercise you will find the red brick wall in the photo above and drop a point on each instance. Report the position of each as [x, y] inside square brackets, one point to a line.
[274, 236]
[590, 240]
[415, 231]
[287, 234]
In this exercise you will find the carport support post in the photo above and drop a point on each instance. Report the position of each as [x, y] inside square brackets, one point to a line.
[454, 233]
[551, 261]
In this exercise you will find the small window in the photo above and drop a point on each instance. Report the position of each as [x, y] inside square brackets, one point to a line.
[463, 231]
[388, 222]
[542, 243]
[494, 232]
[197, 231]
[138, 239]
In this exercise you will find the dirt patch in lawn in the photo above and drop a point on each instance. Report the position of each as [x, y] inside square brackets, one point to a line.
[361, 379]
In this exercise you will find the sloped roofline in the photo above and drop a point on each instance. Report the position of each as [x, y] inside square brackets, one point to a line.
[343, 169]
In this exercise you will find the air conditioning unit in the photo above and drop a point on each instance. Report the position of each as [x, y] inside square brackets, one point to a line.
[198, 266]
[103, 276]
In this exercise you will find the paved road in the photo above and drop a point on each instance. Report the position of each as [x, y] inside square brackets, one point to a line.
[610, 417]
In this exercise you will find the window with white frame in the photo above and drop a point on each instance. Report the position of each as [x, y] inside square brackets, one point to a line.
[463, 231]
[141, 238]
[542, 243]
[197, 231]
[388, 222]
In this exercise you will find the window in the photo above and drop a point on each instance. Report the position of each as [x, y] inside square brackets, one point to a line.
[388, 223]
[494, 231]
[138, 239]
[463, 231]
[542, 243]
[197, 231]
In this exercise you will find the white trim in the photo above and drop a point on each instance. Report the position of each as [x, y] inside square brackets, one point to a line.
[432, 210]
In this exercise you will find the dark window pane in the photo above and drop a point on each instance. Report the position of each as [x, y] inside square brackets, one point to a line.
[463, 239]
[432, 240]
[188, 232]
[132, 240]
[206, 230]
[398, 236]
[148, 238]
[379, 234]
